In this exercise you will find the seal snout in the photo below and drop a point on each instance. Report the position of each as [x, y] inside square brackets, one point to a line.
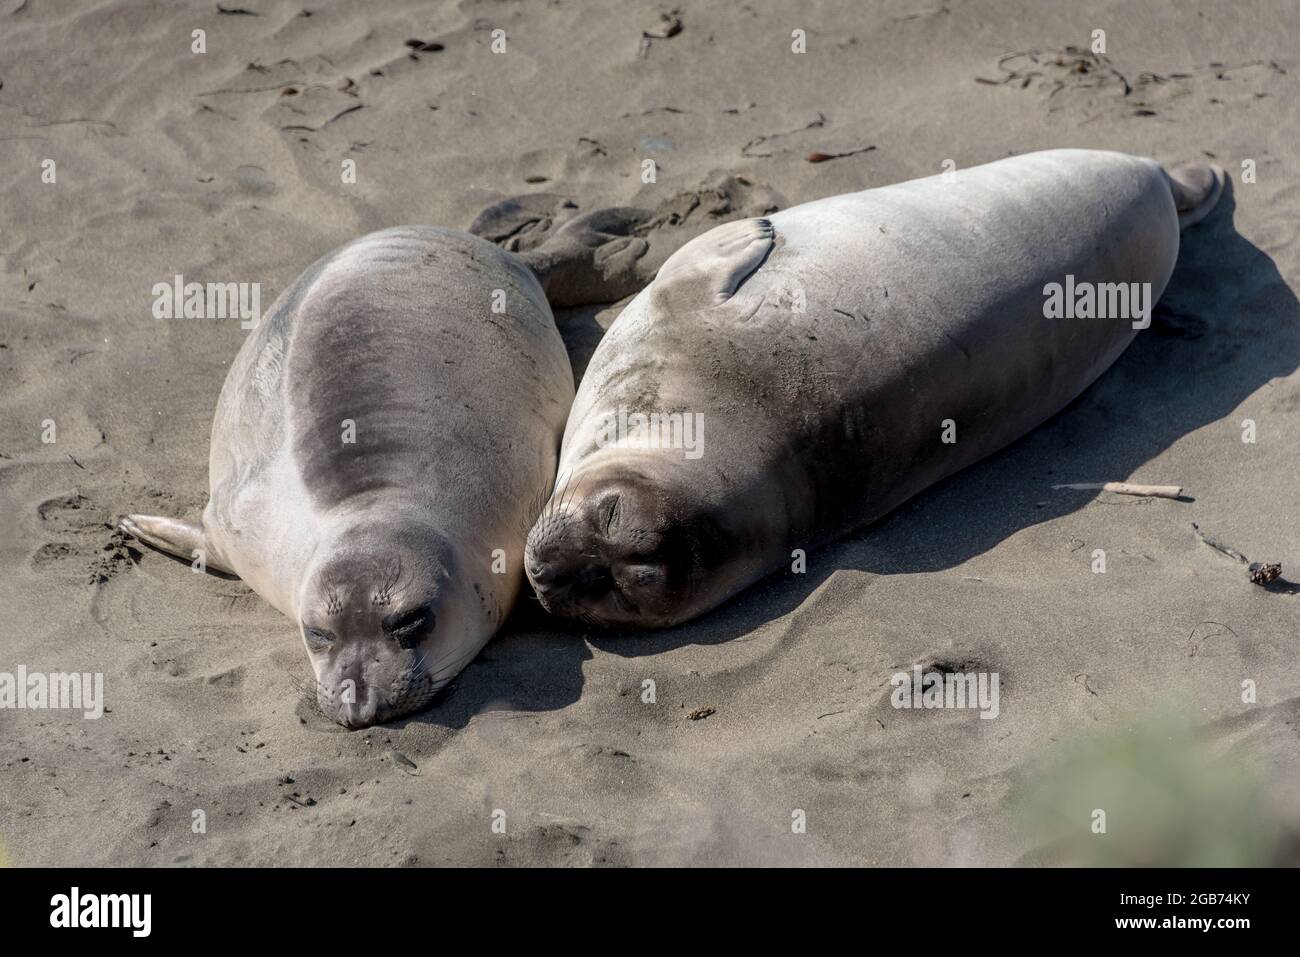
[357, 715]
[561, 565]
[349, 697]
[559, 589]
[361, 698]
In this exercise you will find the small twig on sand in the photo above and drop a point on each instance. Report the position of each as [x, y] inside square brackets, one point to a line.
[1261, 573]
[1219, 546]
[819, 157]
[1126, 488]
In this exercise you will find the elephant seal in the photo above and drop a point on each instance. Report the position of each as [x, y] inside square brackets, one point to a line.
[383, 442]
[786, 380]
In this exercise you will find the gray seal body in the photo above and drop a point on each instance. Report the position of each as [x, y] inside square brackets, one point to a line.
[383, 441]
[836, 359]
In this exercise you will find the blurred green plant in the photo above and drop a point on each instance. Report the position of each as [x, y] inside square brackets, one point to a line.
[1151, 794]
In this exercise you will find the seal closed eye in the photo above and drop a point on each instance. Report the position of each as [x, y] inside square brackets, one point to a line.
[408, 628]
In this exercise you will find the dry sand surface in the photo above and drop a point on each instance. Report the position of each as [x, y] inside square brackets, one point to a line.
[226, 166]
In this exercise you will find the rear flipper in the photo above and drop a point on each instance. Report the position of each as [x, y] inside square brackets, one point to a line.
[1197, 188]
[175, 537]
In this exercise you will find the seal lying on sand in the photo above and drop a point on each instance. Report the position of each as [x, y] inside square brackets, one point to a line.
[382, 444]
[786, 380]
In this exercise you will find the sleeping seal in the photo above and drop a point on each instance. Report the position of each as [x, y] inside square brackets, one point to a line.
[384, 439]
[786, 380]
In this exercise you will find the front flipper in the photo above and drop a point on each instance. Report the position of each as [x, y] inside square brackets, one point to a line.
[173, 536]
[592, 258]
[579, 258]
[709, 269]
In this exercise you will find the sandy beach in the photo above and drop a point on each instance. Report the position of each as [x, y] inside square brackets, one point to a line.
[771, 737]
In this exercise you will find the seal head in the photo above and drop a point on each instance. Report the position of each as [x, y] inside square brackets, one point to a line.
[625, 544]
[382, 618]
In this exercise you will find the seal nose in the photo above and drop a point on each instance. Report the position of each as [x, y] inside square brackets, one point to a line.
[357, 714]
[544, 575]
[350, 701]
[558, 587]
[560, 563]
[548, 581]
[545, 567]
